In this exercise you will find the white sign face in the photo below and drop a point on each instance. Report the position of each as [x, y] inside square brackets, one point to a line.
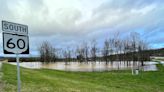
[15, 38]
[13, 43]
[14, 28]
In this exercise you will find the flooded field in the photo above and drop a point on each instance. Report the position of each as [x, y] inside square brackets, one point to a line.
[90, 66]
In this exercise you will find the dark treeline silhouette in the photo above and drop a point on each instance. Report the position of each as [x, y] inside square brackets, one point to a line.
[131, 48]
[156, 52]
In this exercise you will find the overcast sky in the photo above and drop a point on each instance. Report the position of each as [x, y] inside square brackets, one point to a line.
[68, 22]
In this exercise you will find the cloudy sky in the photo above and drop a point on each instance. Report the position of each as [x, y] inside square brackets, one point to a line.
[68, 22]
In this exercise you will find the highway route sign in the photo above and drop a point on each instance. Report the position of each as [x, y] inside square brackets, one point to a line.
[15, 38]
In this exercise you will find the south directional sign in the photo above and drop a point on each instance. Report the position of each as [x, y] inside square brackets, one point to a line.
[15, 38]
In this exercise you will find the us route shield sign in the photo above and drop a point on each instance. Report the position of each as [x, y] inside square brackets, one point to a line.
[15, 38]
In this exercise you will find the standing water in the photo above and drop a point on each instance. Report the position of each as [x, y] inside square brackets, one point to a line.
[89, 66]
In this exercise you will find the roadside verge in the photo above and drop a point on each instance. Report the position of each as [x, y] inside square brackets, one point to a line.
[1, 82]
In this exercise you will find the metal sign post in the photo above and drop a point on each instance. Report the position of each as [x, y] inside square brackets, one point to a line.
[18, 73]
[15, 41]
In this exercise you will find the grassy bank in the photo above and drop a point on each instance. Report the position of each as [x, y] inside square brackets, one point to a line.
[45, 80]
[1, 82]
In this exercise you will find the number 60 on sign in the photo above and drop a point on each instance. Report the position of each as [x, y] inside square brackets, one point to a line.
[14, 43]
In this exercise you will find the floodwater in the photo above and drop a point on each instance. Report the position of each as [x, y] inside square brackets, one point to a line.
[162, 62]
[90, 66]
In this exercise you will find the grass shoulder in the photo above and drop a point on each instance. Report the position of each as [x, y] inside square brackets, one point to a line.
[47, 80]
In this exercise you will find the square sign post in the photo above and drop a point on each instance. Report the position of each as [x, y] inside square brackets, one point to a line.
[15, 41]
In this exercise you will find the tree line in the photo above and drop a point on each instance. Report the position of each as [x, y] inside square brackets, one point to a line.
[131, 48]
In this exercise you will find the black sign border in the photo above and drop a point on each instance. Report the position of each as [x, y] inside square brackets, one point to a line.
[7, 52]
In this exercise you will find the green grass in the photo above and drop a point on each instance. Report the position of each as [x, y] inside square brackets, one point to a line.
[1, 82]
[46, 80]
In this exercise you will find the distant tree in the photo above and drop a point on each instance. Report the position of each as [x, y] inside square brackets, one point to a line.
[86, 50]
[68, 55]
[126, 49]
[93, 50]
[142, 56]
[111, 51]
[47, 52]
[134, 44]
[80, 53]
[106, 50]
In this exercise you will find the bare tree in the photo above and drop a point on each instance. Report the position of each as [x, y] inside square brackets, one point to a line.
[93, 50]
[47, 52]
[126, 49]
[86, 50]
[68, 55]
[111, 51]
[134, 42]
[116, 44]
[142, 46]
[80, 53]
[106, 50]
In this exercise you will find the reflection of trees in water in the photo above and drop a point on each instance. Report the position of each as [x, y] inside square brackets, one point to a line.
[90, 66]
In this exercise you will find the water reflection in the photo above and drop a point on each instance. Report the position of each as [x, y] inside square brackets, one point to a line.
[90, 66]
[162, 62]
[32, 65]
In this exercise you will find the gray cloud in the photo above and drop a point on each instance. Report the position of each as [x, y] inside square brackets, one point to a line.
[65, 23]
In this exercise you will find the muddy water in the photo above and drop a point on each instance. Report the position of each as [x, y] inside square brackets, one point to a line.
[90, 66]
